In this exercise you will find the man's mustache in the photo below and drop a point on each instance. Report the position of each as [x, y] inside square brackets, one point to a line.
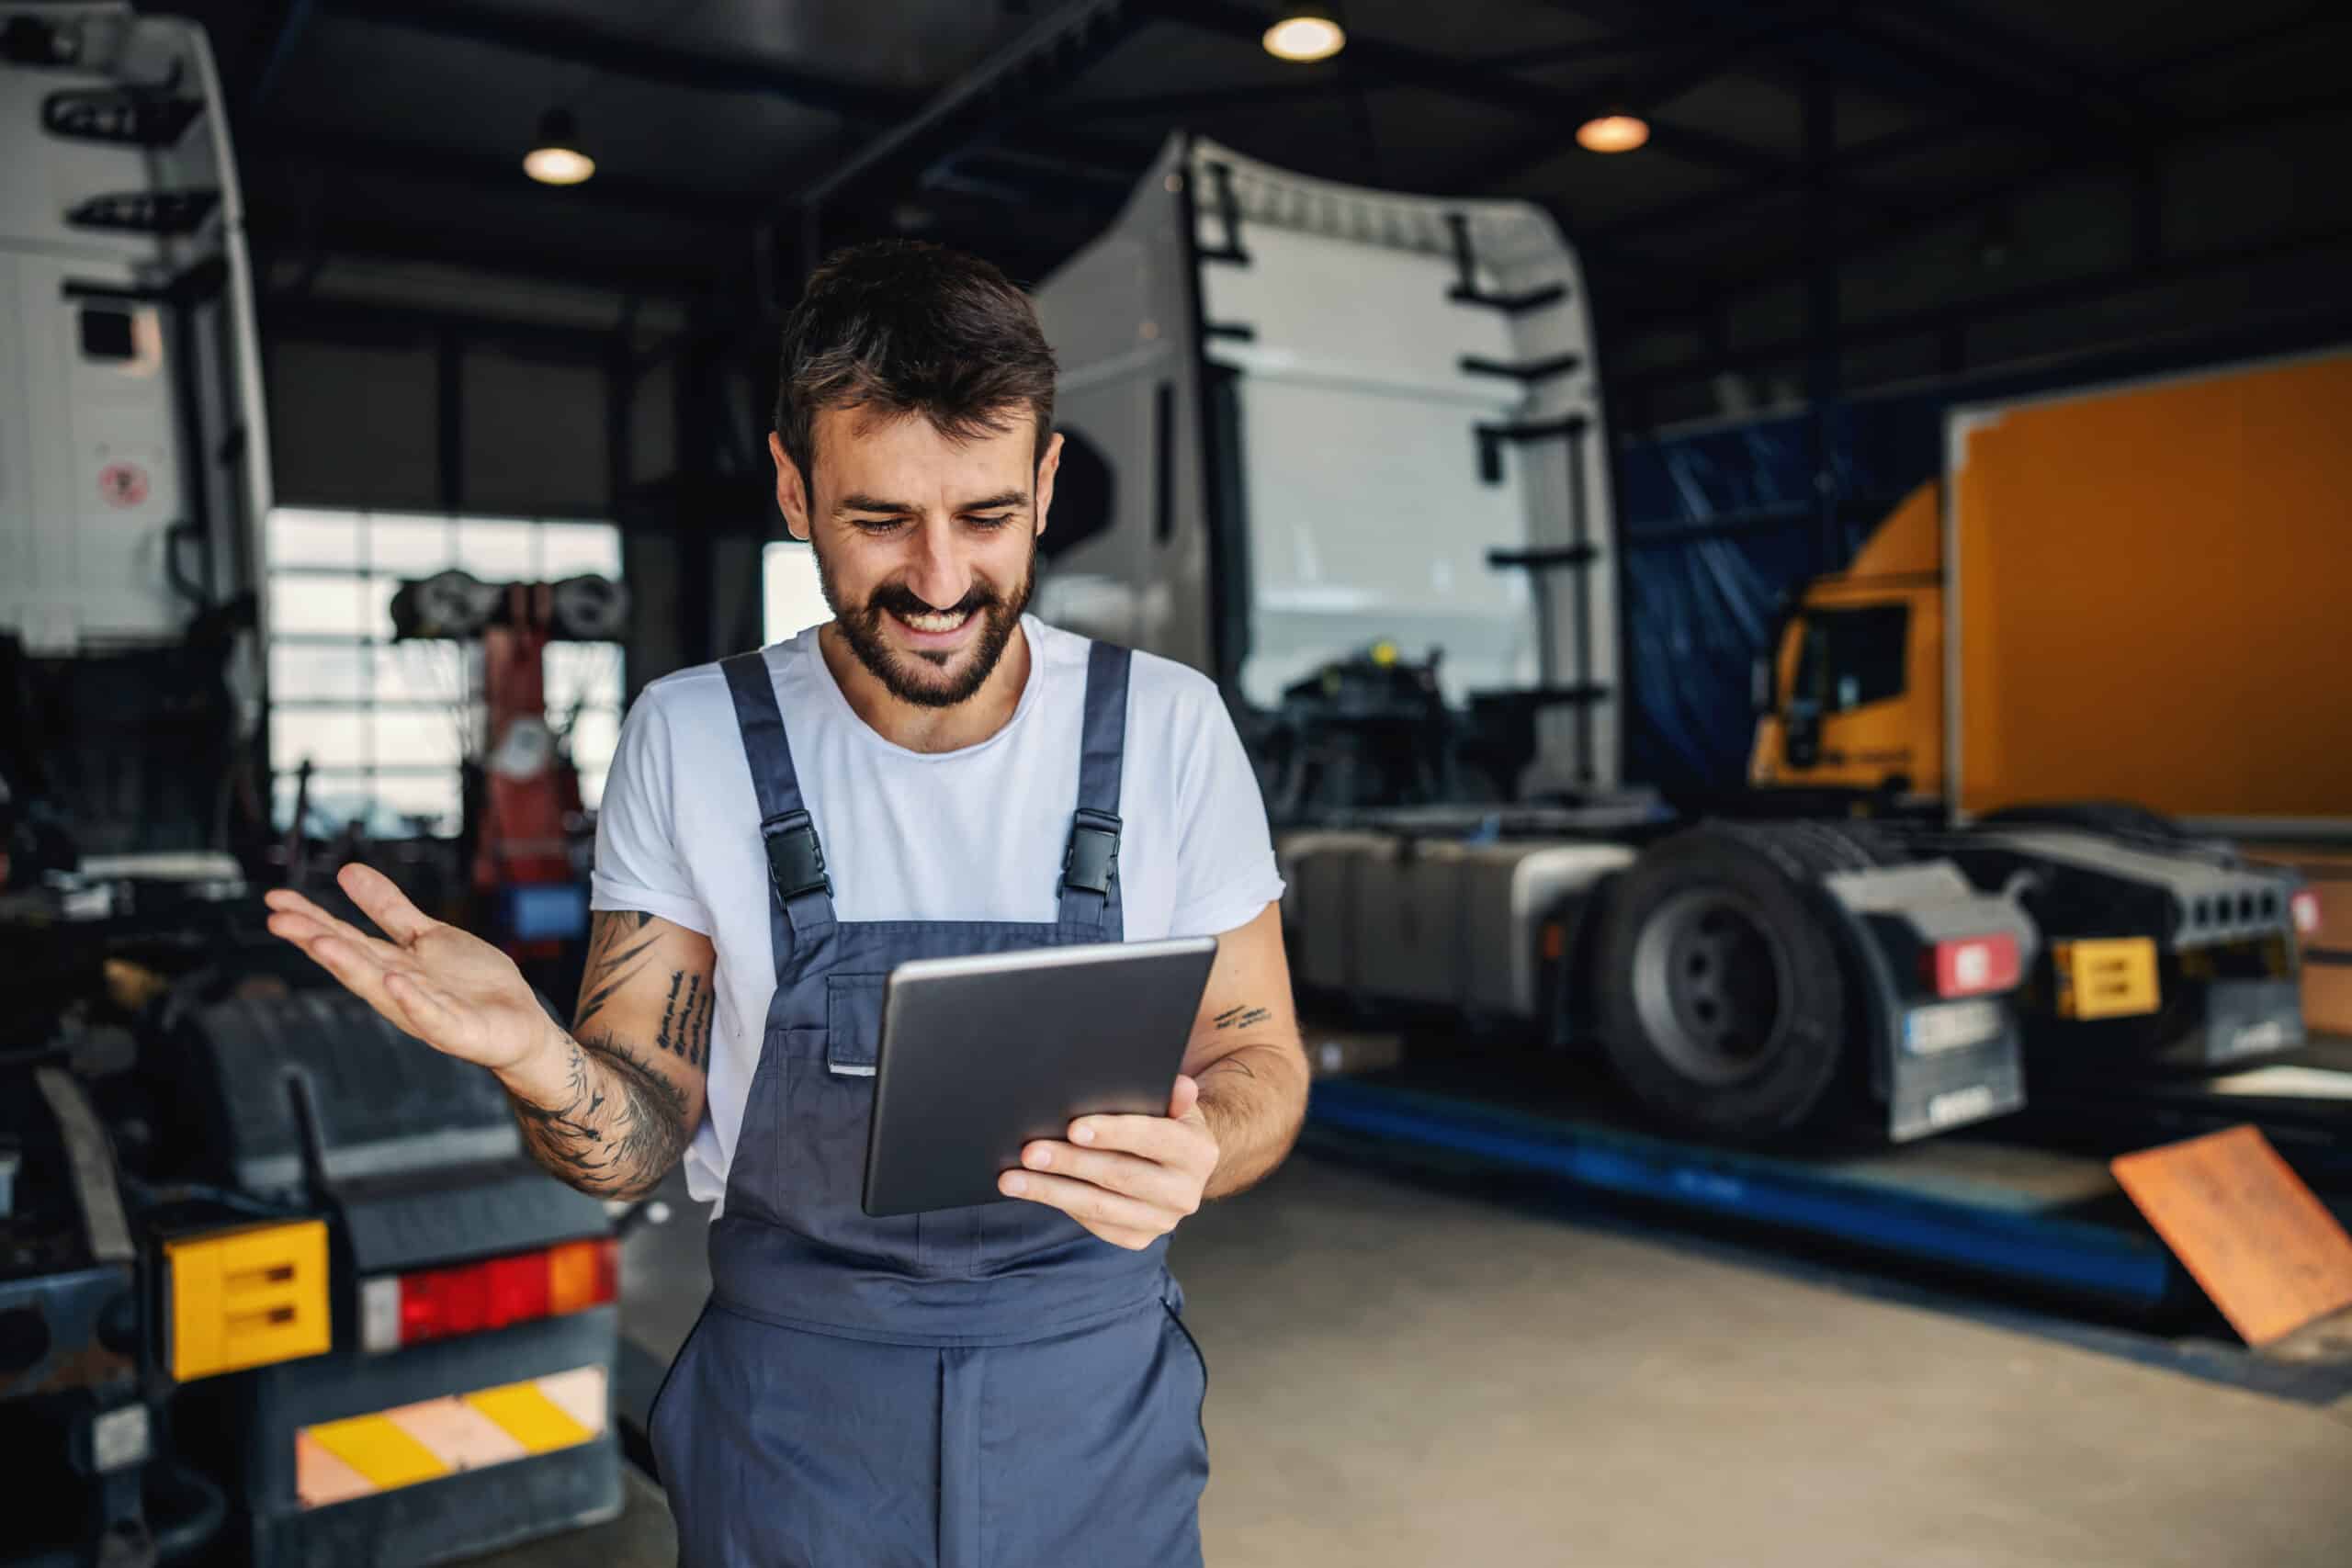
[899, 601]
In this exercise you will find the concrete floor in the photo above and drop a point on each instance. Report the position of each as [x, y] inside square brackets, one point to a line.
[1401, 1375]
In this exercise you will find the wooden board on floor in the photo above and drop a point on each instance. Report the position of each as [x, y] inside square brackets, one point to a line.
[2272, 1259]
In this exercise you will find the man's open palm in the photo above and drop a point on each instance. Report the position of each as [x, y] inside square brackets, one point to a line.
[451, 989]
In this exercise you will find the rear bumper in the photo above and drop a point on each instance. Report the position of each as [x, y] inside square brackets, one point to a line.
[2238, 1020]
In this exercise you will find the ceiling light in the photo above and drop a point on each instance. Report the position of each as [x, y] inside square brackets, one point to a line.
[555, 159]
[1305, 33]
[1612, 133]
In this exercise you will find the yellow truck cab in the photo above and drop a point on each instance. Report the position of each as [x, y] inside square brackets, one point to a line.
[1858, 673]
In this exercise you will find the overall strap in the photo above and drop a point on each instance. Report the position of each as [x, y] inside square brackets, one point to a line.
[1090, 885]
[803, 904]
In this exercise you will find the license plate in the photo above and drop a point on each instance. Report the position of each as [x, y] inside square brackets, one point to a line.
[1948, 1026]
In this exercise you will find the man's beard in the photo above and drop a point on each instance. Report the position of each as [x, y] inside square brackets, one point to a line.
[861, 627]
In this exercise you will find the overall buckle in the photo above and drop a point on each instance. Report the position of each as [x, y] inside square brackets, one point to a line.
[795, 860]
[1090, 863]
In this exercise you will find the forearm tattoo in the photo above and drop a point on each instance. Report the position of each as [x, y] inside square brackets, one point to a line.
[621, 1124]
[1242, 1017]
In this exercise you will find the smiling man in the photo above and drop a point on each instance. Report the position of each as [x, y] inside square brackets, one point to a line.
[1010, 1385]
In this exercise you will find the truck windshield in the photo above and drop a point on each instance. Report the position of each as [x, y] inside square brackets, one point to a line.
[1852, 656]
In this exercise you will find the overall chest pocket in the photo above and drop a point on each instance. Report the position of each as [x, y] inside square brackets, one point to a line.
[828, 1106]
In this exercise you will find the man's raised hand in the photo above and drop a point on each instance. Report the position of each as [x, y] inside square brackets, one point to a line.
[450, 989]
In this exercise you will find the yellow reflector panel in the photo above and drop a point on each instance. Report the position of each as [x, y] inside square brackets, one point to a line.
[379, 1450]
[248, 1298]
[529, 1417]
[2111, 977]
[358, 1456]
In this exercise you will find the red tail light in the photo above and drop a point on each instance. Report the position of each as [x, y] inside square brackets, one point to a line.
[2306, 907]
[1975, 966]
[473, 1298]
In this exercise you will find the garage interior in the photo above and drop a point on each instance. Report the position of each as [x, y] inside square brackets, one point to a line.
[1778, 565]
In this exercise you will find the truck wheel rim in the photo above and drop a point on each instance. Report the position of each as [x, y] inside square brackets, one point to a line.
[1712, 985]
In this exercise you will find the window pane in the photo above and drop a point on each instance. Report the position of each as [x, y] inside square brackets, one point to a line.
[299, 670]
[315, 605]
[313, 538]
[416, 739]
[408, 547]
[336, 799]
[571, 549]
[582, 670]
[1863, 654]
[326, 736]
[498, 552]
[422, 795]
[423, 671]
[593, 739]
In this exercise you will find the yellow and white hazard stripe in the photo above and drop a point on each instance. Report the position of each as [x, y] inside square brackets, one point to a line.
[362, 1455]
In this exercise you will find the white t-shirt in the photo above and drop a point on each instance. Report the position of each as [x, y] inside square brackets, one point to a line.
[974, 834]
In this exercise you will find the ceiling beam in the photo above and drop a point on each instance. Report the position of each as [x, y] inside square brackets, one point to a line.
[2000, 44]
[1706, 206]
[2257, 37]
[1991, 193]
[2010, 302]
[340, 152]
[552, 34]
[1871, 51]
[1048, 57]
[370, 322]
[338, 235]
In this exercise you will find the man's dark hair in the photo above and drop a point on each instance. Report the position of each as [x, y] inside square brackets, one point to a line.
[905, 327]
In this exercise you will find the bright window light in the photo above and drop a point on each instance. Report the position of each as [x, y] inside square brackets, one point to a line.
[791, 598]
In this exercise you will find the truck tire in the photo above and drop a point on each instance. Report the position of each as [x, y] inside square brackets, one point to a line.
[1720, 996]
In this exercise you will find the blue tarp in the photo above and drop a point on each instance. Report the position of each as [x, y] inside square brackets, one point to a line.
[1717, 528]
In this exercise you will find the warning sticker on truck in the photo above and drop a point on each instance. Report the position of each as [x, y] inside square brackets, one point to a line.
[362, 1455]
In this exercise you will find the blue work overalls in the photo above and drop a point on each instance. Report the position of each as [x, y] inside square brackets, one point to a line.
[960, 1389]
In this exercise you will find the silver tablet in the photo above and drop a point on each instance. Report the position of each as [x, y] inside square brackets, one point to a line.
[979, 1056]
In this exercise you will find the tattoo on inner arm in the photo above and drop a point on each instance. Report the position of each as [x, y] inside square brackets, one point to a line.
[1242, 1017]
[685, 1017]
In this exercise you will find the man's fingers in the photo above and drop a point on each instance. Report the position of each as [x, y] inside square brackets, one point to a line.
[1186, 1096]
[286, 902]
[1162, 1186]
[385, 904]
[359, 972]
[1150, 1137]
[1094, 1207]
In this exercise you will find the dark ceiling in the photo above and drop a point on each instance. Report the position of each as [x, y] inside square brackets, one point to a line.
[1784, 134]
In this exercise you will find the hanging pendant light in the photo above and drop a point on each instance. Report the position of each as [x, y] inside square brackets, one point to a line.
[555, 159]
[1305, 33]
